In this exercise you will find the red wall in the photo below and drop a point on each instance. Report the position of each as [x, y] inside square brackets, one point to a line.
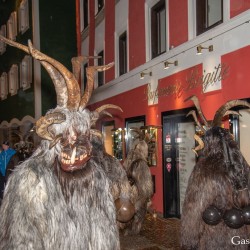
[178, 22]
[238, 6]
[136, 32]
[235, 86]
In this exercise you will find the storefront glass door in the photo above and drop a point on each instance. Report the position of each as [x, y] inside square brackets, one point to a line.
[178, 160]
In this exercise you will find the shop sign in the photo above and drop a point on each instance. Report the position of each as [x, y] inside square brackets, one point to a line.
[193, 80]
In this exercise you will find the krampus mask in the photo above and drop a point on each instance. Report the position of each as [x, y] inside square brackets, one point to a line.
[68, 127]
[217, 196]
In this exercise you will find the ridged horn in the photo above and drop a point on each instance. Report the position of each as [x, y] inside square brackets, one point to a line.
[101, 110]
[90, 71]
[76, 64]
[193, 113]
[58, 80]
[224, 108]
[200, 144]
[44, 122]
[198, 107]
[71, 82]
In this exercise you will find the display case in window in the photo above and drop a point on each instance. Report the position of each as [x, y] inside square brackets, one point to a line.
[119, 143]
[150, 136]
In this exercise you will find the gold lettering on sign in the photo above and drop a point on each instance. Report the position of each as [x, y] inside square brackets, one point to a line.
[193, 81]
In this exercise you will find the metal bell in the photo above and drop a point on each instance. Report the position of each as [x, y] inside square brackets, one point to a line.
[212, 215]
[234, 218]
[246, 215]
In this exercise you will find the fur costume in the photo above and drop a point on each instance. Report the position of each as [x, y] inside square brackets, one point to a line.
[60, 197]
[219, 179]
[140, 179]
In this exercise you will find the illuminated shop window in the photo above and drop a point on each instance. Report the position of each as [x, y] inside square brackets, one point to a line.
[108, 132]
[158, 28]
[240, 128]
[209, 13]
[123, 53]
[13, 80]
[133, 122]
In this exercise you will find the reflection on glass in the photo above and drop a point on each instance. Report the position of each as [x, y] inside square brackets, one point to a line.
[150, 136]
[119, 143]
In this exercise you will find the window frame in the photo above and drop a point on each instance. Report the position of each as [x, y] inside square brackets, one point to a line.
[100, 74]
[201, 13]
[123, 53]
[155, 25]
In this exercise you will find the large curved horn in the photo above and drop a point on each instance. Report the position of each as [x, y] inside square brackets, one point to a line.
[101, 110]
[200, 144]
[58, 80]
[90, 71]
[224, 108]
[108, 106]
[76, 64]
[71, 82]
[44, 122]
[193, 113]
[197, 105]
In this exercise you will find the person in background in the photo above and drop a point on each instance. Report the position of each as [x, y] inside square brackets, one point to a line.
[5, 157]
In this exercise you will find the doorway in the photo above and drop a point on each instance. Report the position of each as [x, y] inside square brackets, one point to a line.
[178, 159]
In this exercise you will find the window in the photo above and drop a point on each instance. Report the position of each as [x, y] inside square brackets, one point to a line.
[123, 53]
[85, 76]
[13, 80]
[101, 73]
[85, 14]
[23, 14]
[107, 130]
[209, 13]
[133, 122]
[26, 72]
[158, 28]
[100, 4]
[2, 44]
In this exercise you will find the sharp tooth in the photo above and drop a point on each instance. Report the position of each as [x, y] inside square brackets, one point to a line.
[72, 159]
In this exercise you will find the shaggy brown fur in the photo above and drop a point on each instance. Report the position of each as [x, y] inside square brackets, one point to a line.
[141, 185]
[215, 182]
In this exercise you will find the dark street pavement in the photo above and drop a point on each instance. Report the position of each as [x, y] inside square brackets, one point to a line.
[156, 234]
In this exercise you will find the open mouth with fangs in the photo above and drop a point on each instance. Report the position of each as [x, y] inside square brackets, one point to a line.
[71, 162]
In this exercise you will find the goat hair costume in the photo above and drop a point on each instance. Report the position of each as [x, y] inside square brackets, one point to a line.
[59, 198]
[217, 191]
[140, 178]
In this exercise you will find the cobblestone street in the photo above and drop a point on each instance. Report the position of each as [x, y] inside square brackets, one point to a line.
[156, 234]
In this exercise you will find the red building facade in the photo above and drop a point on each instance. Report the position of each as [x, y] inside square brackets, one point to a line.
[125, 32]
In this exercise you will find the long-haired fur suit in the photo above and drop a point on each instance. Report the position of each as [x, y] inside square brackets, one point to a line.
[60, 199]
[219, 181]
[140, 179]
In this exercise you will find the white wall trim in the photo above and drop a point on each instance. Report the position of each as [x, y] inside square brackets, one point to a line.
[225, 38]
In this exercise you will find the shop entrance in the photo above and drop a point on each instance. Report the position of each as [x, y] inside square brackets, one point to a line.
[178, 159]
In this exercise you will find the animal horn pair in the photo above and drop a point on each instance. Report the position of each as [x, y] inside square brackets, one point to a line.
[220, 113]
